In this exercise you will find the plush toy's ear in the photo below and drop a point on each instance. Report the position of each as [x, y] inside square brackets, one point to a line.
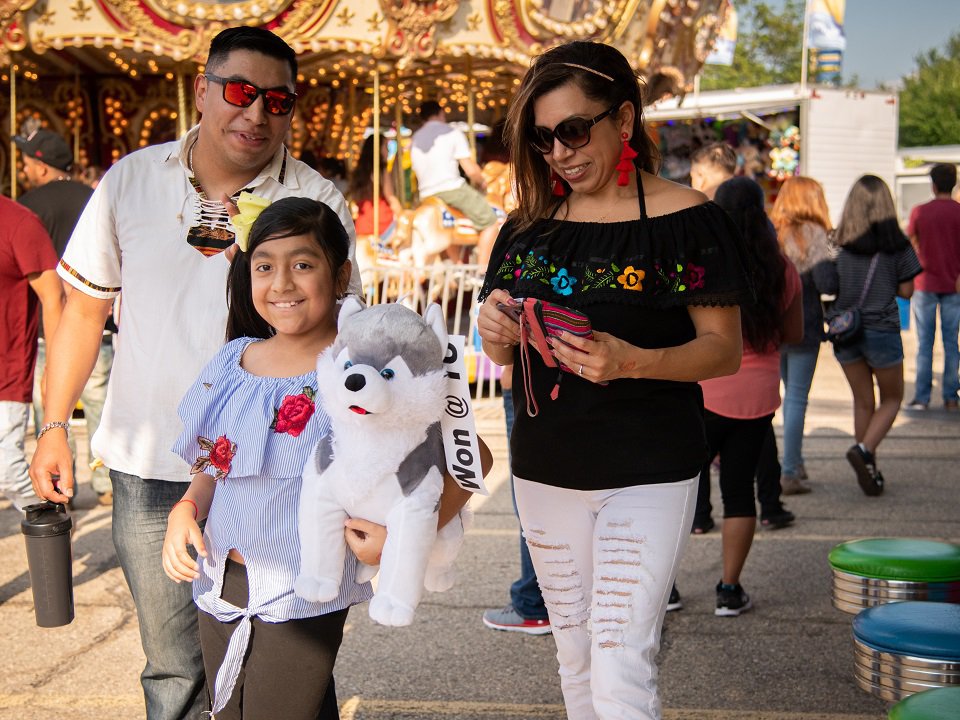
[351, 306]
[435, 320]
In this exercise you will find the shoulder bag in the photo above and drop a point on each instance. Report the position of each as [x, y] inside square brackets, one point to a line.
[847, 327]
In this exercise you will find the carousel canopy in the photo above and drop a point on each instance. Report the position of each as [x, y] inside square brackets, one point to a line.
[117, 74]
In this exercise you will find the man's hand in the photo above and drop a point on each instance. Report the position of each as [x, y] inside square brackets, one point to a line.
[52, 468]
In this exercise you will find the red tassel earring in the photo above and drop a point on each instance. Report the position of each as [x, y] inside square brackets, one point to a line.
[625, 166]
[558, 189]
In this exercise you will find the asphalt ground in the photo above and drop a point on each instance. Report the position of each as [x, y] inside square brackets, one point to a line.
[790, 658]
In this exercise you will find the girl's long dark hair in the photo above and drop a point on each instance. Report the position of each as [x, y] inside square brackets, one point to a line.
[284, 218]
[760, 319]
[555, 68]
[868, 224]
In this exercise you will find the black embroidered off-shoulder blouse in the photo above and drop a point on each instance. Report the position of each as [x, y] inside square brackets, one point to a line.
[635, 280]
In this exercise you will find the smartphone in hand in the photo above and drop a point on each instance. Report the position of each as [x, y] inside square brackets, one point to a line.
[514, 311]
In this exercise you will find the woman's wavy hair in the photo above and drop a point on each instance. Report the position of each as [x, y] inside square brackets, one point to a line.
[284, 218]
[760, 318]
[361, 180]
[555, 68]
[868, 224]
[799, 202]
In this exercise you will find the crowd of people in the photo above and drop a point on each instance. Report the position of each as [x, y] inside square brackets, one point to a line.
[689, 296]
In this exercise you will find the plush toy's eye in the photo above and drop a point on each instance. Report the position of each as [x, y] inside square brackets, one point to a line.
[348, 364]
[387, 374]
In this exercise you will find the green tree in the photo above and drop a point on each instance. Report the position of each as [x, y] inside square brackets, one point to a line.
[768, 48]
[930, 98]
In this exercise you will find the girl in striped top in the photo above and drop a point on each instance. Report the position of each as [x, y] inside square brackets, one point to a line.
[250, 423]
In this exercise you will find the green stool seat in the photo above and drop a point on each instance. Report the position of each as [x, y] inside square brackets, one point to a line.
[938, 704]
[883, 570]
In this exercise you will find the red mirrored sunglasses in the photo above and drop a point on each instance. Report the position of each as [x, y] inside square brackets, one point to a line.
[240, 93]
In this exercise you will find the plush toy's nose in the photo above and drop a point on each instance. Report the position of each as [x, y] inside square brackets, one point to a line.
[355, 382]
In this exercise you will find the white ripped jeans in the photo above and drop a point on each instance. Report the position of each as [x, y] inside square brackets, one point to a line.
[606, 560]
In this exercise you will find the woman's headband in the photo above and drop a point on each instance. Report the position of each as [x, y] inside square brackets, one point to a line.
[587, 69]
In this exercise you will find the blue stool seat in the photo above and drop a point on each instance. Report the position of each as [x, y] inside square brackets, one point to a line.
[907, 647]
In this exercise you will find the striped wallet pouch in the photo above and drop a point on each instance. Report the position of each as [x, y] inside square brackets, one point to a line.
[539, 320]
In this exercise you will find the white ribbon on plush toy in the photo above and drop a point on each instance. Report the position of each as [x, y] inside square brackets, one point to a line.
[460, 442]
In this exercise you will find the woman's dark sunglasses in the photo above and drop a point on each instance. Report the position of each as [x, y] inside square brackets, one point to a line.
[573, 133]
[276, 101]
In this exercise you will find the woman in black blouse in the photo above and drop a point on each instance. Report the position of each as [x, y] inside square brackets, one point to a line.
[606, 472]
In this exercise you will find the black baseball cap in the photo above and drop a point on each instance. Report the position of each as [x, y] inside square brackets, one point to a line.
[47, 147]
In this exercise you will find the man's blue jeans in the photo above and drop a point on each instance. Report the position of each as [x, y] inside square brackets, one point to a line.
[525, 592]
[797, 367]
[173, 679]
[925, 317]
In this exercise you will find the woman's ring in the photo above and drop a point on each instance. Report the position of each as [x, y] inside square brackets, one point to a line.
[581, 371]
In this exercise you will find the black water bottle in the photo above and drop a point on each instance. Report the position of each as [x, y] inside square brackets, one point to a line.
[46, 531]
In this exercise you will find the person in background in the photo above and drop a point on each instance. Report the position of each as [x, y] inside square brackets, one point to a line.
[710, 166]
[438, 151]
[605, 473]
[360, 191]
[157, 227]
[526, 611]
[28, 281]
[58, 200]
[802, 221]
[876, 255]
[334, 170]
[934, 230]
[740, 407]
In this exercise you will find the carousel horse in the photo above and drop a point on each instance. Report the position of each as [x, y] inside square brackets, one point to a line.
[435, 231]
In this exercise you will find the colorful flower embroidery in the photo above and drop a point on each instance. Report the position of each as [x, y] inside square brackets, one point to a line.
[220, 453]
[632, 279]
[294, 412]
[563, 282]
[583, 276]
[510, 267]
[694, 276]
[601, 277]
[670, 281]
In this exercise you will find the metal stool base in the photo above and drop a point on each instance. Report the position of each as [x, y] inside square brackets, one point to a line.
[891, 677]
[853, 593]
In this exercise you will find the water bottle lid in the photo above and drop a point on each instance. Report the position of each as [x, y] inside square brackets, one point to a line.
[45, 519]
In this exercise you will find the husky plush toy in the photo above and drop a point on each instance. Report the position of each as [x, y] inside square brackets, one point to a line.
[383, 384]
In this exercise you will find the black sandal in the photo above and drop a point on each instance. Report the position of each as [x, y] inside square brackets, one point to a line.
[703, 527]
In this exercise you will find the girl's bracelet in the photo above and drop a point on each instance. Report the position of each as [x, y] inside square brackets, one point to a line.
[196, 510]
[51, 425]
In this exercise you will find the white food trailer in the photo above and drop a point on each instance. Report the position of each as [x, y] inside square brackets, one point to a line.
[844, 133]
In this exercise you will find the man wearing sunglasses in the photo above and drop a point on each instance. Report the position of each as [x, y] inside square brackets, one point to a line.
[157, 229]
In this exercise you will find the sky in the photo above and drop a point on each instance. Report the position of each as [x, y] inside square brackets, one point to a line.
[884, 36]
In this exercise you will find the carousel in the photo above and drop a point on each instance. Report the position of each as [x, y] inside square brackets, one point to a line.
[116, 75]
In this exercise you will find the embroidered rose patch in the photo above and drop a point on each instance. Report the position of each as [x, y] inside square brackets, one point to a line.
[294, 413]
[219, 455]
